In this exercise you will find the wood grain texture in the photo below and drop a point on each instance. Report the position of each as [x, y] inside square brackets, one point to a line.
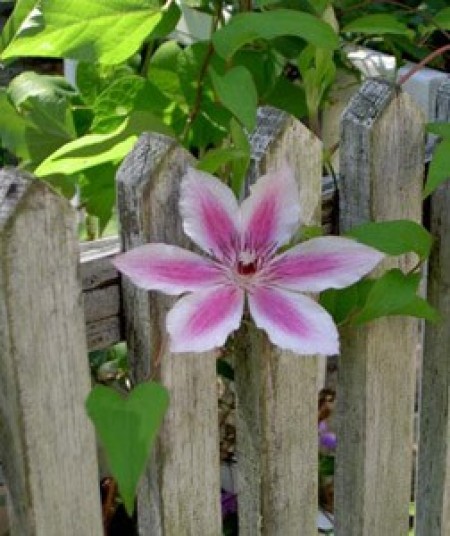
[382, 144]
[47, 442]
[433, 493]
[179, 495]
[277, 390]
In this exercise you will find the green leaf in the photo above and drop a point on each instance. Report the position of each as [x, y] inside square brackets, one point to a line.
[35, 131]
[391, 293]
[419, 308]
[249, 27]
[98, 192]
[236, 90]
[239, 166]
[442, 18]
[31, 84]
[162, 70]
[20, 13]
[440, 129]
[214, 159]
[88, 151]
[127, 428]
[95, 149]
[289, 97]
[395, 237]
[87, 30]
[326, 465]
[340, 303]
[439, 170]
[377, 24]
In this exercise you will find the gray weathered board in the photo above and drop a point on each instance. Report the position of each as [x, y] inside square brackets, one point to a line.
[276, 423]
[180, 489]
[381, 171]
[47, 443]
[433, 497]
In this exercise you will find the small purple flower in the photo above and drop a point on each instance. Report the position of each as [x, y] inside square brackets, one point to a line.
[242, 242]
[229, 503]
[327, 438]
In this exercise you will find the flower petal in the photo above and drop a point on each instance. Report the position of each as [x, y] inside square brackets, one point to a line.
[321, 263]
[210, 213]
[203, 320]
[293, 321]
[170, 269]
[271, 213]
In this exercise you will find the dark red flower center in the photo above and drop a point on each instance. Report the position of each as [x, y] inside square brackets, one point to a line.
[246, 268]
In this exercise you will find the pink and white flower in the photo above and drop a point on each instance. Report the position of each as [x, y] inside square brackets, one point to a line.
[242, 243]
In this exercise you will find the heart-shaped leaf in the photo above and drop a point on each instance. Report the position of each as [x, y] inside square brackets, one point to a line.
[127, 428]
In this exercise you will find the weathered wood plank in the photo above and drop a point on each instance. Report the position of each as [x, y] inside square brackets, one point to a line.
[179, 495]
[433, 491]
[47, 442]
[382, 144]
[277, 390]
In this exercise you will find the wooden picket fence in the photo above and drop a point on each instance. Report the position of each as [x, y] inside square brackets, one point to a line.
[53, 309]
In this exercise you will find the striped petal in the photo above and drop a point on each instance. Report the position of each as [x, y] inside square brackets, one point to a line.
[170, 269]
[210, 214]
[293, 321]
[203, 320]
[321, 263]
[271, 213]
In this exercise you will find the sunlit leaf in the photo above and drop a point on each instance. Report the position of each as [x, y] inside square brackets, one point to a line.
[87, 30]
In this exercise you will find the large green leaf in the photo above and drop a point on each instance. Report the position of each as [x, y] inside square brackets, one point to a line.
[88, 151]
[236, 91]
[127, 428]
[377, 24]
[395, 237]
[249, 27]
[37, 130]
[108, 31]
[95, 149]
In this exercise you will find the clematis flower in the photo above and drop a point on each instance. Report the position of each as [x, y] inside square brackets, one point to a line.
[241, 243]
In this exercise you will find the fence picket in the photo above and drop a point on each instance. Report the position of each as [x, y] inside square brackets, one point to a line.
[180, 490]
[433, 493]
[277, 390]
[47, 443]
[382, 148]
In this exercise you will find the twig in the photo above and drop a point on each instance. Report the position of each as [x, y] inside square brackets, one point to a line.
[422, 64]
[202, 75]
